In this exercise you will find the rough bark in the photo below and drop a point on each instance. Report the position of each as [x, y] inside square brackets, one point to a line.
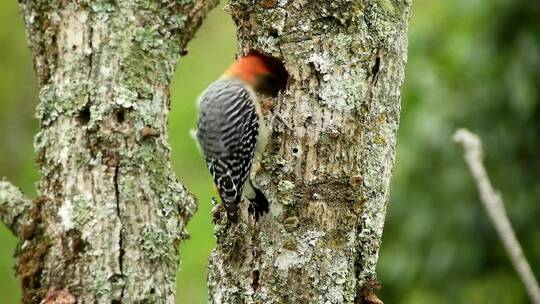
[110, 213]
[14, 207]
[328, 164]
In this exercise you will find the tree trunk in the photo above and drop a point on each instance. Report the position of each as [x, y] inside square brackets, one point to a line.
[327, 167]
[110, 213]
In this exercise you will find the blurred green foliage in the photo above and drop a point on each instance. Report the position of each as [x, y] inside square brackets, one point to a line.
[473, 63]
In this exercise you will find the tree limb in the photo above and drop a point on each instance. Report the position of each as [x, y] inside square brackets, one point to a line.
[327, 166]
[14, 207]
[111, 212]
[195, 15]
[493, 203]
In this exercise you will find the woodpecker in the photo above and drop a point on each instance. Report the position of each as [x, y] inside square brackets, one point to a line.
[231, 131]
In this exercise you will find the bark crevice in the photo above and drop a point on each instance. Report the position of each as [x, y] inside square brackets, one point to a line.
[121, 250]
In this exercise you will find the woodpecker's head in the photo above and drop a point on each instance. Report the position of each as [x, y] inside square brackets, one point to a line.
[264, 74]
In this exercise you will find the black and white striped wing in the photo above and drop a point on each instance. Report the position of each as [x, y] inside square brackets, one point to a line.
[228, 129]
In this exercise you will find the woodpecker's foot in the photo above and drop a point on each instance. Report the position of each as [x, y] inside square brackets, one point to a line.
[259, 205]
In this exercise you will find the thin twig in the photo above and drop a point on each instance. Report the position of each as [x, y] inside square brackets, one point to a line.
[495, 208]
[14, 207]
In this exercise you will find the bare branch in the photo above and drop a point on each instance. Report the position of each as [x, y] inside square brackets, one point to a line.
[195, 16]
[495, 208]
[14, 207]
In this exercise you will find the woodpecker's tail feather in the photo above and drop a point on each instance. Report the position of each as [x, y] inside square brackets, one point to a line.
[232, 210]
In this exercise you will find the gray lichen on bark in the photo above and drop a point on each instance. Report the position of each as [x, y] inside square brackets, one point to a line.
[110, 212]
[327, 167]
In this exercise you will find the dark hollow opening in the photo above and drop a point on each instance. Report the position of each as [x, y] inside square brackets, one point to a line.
[84, 116]
[120, 116]
[278, 78]
[274, 33]
[255, 284]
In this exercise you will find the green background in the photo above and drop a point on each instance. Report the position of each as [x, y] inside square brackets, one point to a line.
[472, 63]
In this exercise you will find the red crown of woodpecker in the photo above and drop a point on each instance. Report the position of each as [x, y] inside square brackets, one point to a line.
[249, 68]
